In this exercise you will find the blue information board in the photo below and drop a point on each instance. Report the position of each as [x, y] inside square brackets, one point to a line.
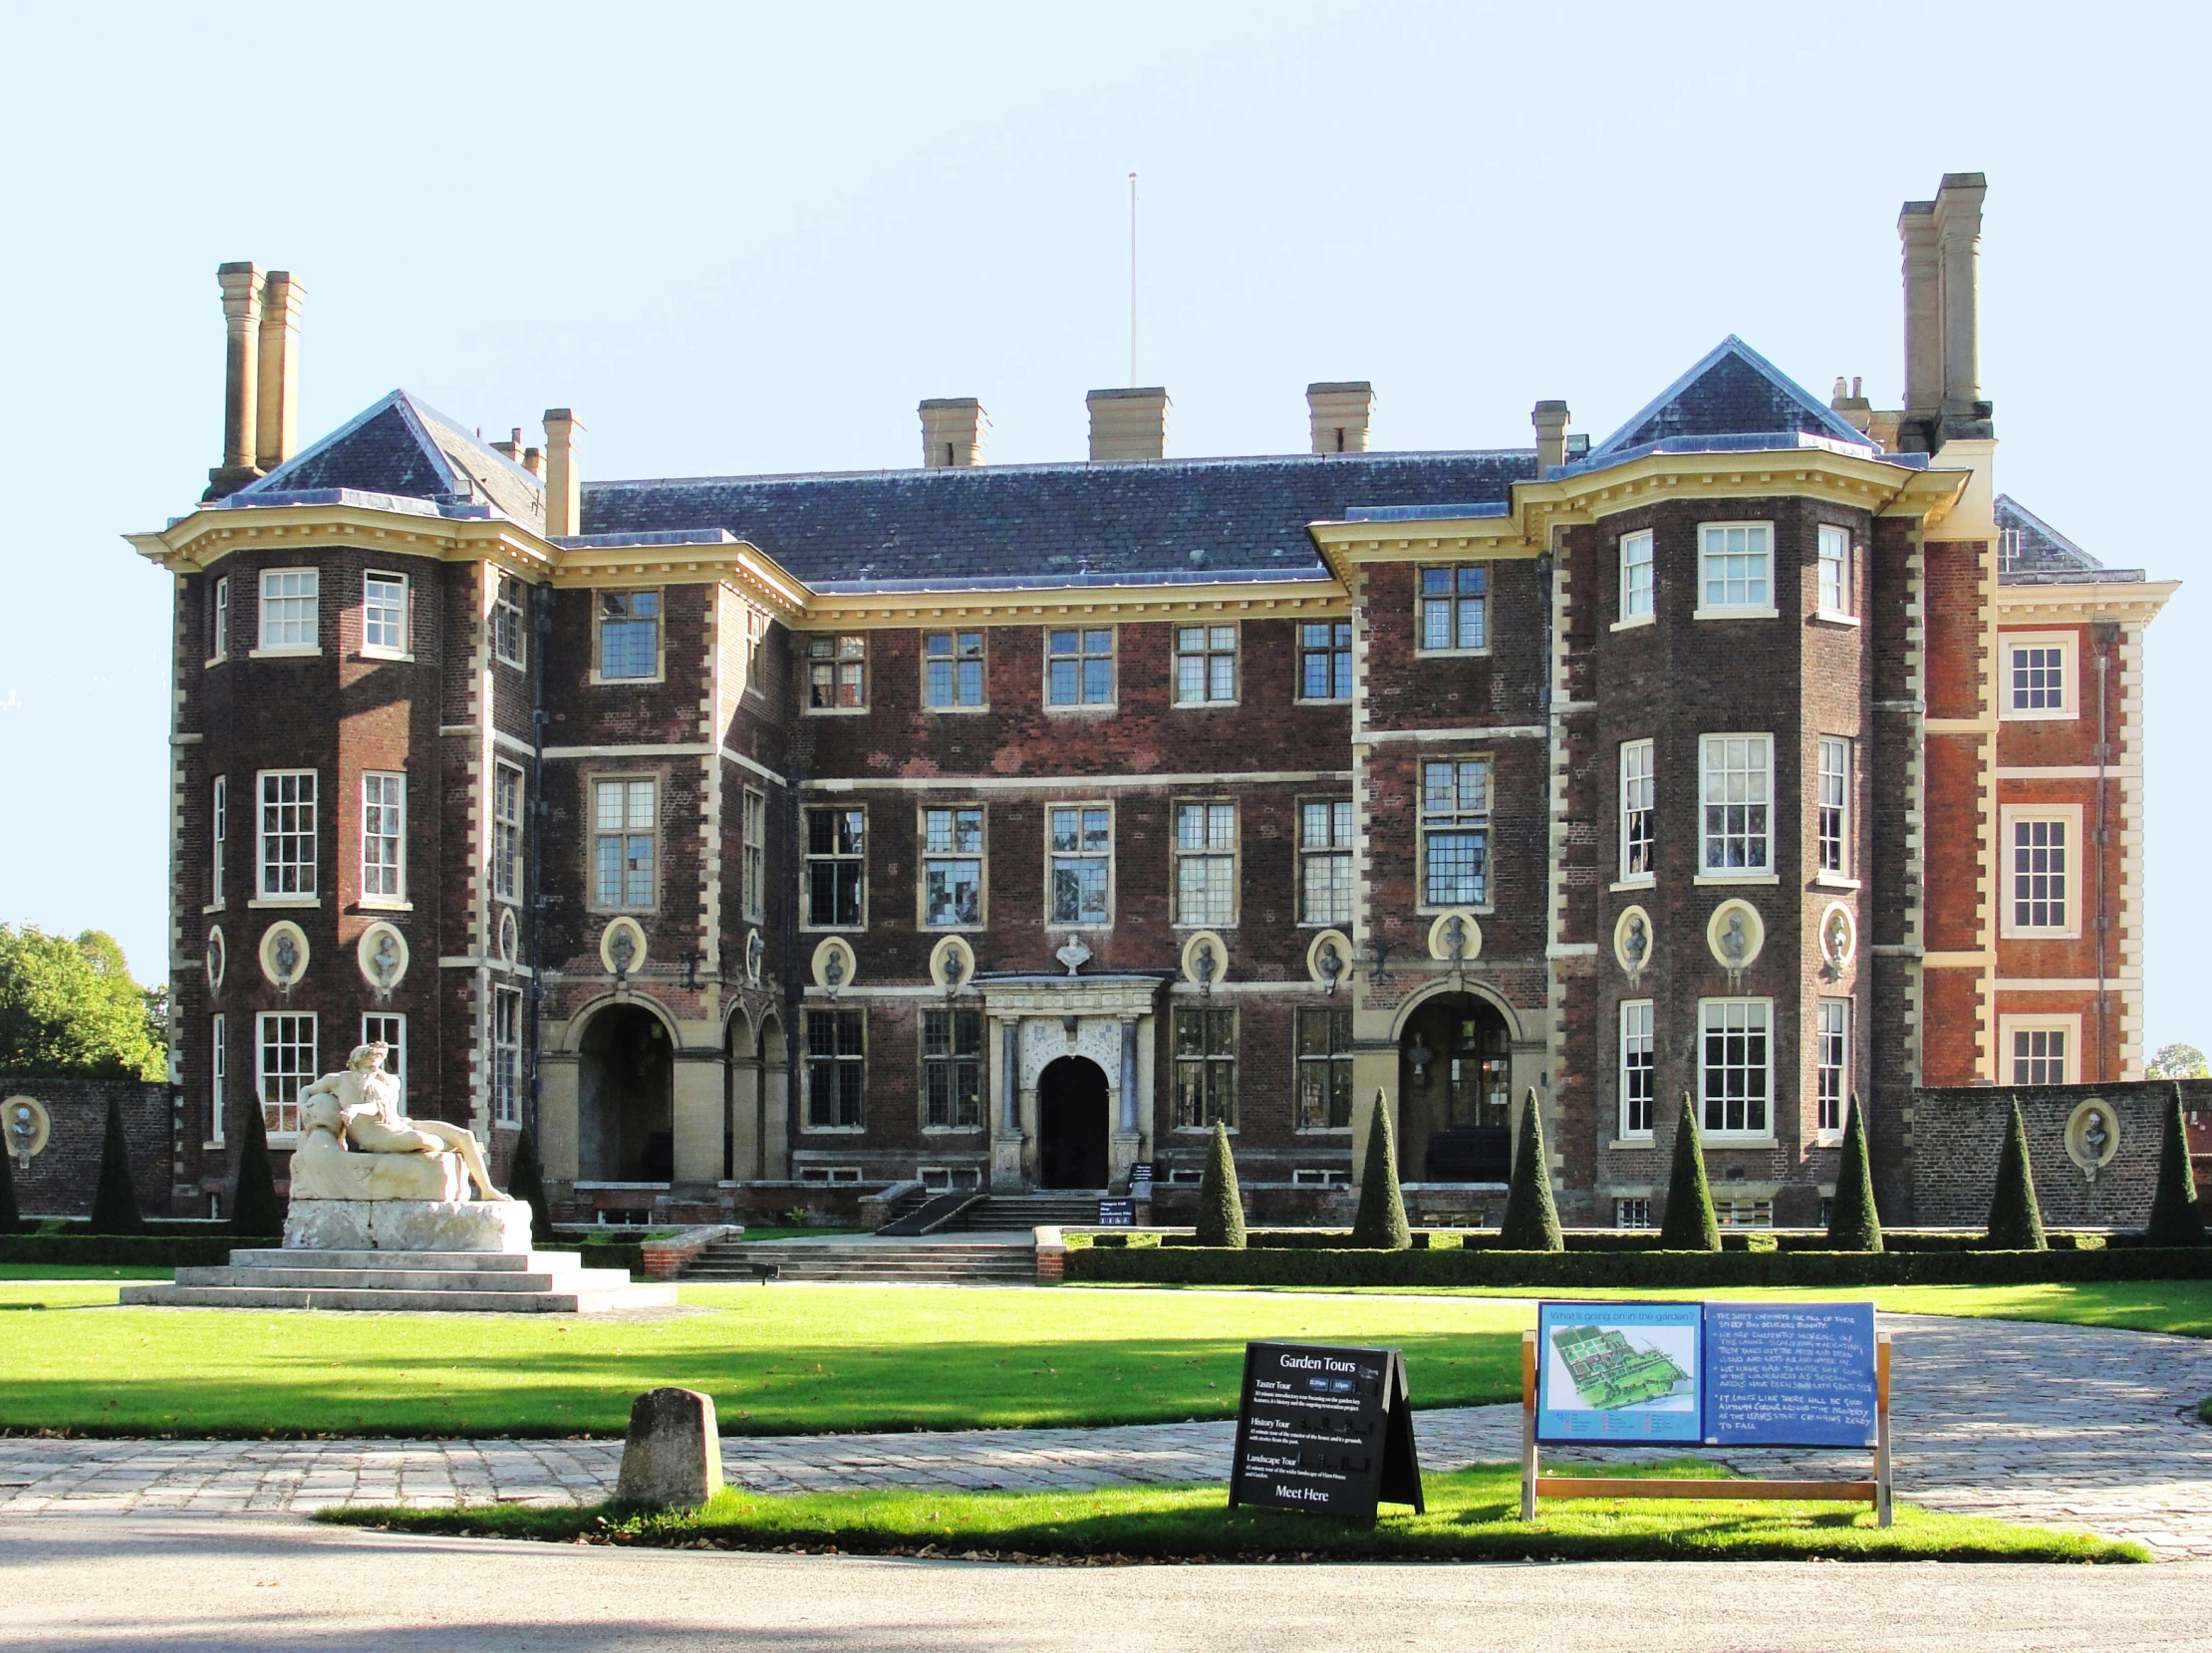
[1788, 1375]
[1619, 1372]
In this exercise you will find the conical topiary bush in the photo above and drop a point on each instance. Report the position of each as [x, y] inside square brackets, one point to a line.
[1381, 1220]
[2015, 1219]
[1531, 1220]
[1853, 1222]
[11, 1220]
[255, 1211]
[116, 1200]
[1690, 1224]
[2174, 1208]
[1221, 1213]
[526, 1182]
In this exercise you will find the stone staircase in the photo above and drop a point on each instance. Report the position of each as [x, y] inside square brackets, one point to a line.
[1035, 1211]
[931, 1260]
[530, 1283]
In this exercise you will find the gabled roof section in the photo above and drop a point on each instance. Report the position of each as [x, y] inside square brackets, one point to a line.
[1170, 521]
[2030, 552]
[1732, 392]
[403, 447]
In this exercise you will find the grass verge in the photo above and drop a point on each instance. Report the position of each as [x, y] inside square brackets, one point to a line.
[1473, 1515]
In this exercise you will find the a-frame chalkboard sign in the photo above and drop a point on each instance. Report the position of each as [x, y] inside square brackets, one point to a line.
[1328, 1430]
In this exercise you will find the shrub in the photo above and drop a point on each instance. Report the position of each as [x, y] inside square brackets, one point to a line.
[1220, 1204]
[526, 1182]
[1531, 1219]
[133, 1251]
[254, 1206]
[1688, 1225]
[11, 1220]
[2015, 1219]
[116, 1200]
[1853, 1222]
[2174, 1208]
[1381, 1220]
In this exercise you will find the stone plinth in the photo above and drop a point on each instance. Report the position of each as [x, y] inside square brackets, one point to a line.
[673, 1455]
[501, 1226]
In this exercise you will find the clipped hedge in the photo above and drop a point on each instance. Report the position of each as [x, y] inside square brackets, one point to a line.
[136, 1250]
[1637, 1241]
[1672, 1270]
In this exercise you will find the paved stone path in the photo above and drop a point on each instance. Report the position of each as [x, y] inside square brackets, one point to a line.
[2063, 1426]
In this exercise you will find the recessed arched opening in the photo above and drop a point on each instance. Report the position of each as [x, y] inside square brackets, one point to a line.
[1456, 1091]
[1071, 1124]
[625, 1089]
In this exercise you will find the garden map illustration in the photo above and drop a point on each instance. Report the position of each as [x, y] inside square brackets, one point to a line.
[1610, 1373]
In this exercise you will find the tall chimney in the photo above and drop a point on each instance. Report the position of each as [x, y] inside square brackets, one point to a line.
[564, 484]
[1340, 413]
[954, 432]
[1128, 425]
[241, 286]
[276, 421]
[1923, 325]
[1957, 240]
[1551, 420]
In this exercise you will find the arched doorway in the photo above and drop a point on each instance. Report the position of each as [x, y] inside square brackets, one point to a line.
[1071, 1125]
[625, 1115]
[1456, 1089]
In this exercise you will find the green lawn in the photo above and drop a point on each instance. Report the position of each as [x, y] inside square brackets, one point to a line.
[1473, 1515]
[79, 1272]
[788, 1359]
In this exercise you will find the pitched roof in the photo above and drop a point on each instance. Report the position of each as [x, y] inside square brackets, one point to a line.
[1732, 391]
[1160, 520]
[2033, 552]
[401, 445]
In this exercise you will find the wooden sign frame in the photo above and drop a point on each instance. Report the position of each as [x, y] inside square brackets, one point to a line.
[1535, 1485]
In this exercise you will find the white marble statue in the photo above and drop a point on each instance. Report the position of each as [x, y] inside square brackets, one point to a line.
[356, 1144]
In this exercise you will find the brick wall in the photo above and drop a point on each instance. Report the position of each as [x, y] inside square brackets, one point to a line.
[63, 1175]
[1959, 1136]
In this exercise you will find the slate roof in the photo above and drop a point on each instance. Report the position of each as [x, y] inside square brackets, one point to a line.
[401, 445]
[1732, 391]
[2040, 555]
[1167, 519]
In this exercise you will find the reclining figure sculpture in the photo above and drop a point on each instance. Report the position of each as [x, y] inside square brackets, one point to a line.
[356, 1144]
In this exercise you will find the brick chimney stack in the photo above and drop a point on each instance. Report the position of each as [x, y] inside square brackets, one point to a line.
[241, 289]
[277, 397]
[1550, 420]
[1340, 414]
[564, 482]
[954, 433]
[1128, 425]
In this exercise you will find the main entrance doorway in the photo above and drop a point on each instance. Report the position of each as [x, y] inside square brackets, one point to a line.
[625, 1098]
[1455, 1075]
[1071, 1125]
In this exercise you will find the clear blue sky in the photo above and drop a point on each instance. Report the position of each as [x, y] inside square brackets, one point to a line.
[743, 238]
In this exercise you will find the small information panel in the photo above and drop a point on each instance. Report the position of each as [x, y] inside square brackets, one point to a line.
[1324, 1429]
[1620, 1372]
[1116, 1213]
[1139, 1180]
[1789, 1375]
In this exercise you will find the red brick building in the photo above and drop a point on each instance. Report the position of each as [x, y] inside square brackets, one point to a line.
[1010, 825]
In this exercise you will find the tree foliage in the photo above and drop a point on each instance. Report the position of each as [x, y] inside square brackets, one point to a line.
[2174, 1208]
[2014, 1217]
[1531, 1219]
[2177, 1061]
[1221, 1213]
[1688, 1225]
[115, 1199]
[1853, 1222]
[1380, 1223]
[69, 1009]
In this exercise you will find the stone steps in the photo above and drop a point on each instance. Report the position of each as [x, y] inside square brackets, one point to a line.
[525, 1283]
[927, 1261]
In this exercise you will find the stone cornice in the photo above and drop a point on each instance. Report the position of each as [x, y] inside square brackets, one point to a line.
[2139, 599]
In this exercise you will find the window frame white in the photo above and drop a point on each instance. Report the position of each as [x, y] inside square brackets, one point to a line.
[1218, 657]
[1764, 870]
[601, 618]
[309, 893]
[1433, 824]
[1747, 607]
[510, 619]
[1835, 553]
[1082, 658]
[383, 794]
[1639, 811]
[1831, 1055]
[1639, 579]
[509, 806]
[391, 1028]
[753, 847]
[2069, 648]
[955, 661]
[1637, 1070]
[2009, 1028]
[2074, 871]
[297, 1077]
[310, 593]
[1336, 855]
[505, 1042]
[1337, 652]
[852, 852]
[1832, 805]
[402, 613]
[1082, 809]
[928, 860]
[218, 1067]
[1211, 855]
[219, 624]
[626, 836]
[1456, 600]
[218, 845]
[1706, 1100]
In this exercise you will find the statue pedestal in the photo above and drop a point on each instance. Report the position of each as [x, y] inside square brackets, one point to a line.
[407, 1226]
